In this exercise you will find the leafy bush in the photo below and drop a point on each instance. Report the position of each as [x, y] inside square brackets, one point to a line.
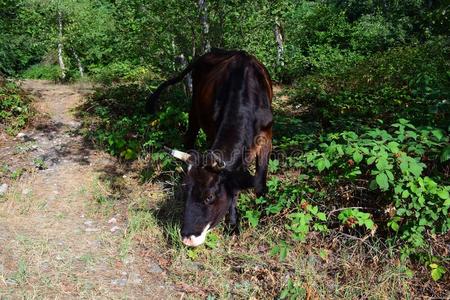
[123, 72]
[400, 168]
[15, 108]
[42, 71]
[411, 82]
[125, 130]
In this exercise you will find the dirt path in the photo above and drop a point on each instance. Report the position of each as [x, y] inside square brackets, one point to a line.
[52, 242]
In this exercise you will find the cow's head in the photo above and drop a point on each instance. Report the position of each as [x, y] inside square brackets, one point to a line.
[208, 195]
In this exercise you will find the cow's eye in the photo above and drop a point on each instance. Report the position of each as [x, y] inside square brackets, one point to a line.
[209, 199]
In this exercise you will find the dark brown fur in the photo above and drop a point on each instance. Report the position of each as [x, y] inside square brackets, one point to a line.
[232, 96]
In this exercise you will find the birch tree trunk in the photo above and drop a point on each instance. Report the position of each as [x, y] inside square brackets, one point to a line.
[80, 66]
[60, 47]
[279, 38]
[203, 10]
[188, 79]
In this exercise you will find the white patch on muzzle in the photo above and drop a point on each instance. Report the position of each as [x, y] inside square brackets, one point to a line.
[194, 241]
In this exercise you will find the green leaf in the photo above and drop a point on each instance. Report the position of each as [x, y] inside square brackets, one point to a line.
[320, 165]
[445, 155]
[357, 157]
[389, 175]
[321, 216]
[437, 271]
[394, 226]
[438, 134]
[443, 194]
[383, 164]
[283, 252]
[370, 160]
[382, 181]
[252, 217]
[368, 223]
[415, 168]
[393, 146]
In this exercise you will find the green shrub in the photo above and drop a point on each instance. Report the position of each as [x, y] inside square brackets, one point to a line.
[403, 165]
[123, 72]
[42, 71]
[411, 82]
[124, 129]
[15, 108]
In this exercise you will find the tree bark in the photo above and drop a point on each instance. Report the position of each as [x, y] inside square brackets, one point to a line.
[80, 66]
[188, 79]
[279, 38]
[60, 46]
[203, 10]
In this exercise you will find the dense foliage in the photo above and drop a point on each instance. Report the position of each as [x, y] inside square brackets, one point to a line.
[363, 136]
[15, 110]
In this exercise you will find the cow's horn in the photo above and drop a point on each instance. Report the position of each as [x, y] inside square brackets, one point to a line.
[178, 154]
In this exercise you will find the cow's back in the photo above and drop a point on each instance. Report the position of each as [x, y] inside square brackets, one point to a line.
[219, 72]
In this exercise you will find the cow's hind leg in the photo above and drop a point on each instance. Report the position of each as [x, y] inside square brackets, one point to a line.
[264, 145]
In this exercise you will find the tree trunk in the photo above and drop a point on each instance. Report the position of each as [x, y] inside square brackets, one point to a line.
[60, 47]
[203, 10]
[188, 79]
[80, 66]
[279, 38]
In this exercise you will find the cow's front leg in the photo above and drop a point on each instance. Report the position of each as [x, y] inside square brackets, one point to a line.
[233, 215]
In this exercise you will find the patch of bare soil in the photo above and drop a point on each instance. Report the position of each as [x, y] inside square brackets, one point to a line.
[51, 243]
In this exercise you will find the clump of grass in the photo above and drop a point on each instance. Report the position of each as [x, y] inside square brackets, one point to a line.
[103, 200]
[21, 275]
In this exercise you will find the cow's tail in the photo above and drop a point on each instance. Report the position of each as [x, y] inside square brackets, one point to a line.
[153, 99]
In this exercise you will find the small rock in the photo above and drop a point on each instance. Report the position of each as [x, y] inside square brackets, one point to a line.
[154, 268]
[135, 278]
[112, 221]
[119, 282]
[114, 229]
[10, 281]
[21, 135]
[26, 191]
[128, 260]
[3, 189]
[45, 266]
[124, 273]
[88, 223]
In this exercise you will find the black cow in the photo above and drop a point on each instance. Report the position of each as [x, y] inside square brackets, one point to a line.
[232, 96]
